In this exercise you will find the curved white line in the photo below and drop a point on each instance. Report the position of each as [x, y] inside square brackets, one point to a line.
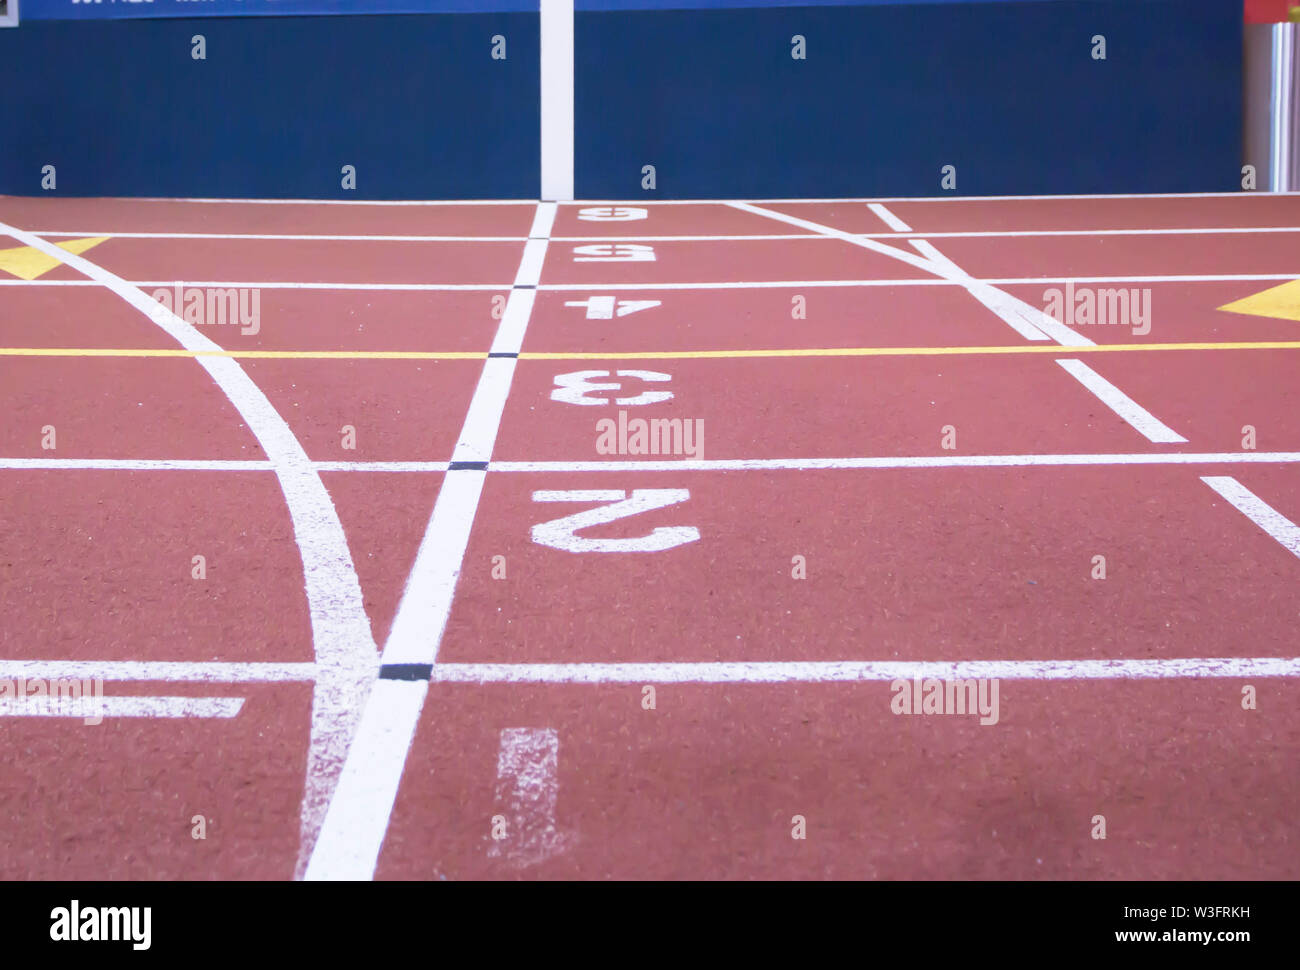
[345, 650]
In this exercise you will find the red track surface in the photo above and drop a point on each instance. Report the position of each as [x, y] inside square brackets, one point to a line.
[904, 564]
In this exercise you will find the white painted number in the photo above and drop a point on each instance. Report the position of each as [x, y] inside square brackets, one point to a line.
[602, 307]
[614, 253]
[561, 533]
[573, 388]
[617, 213]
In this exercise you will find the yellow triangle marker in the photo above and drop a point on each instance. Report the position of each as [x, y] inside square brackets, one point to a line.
[1282, 302]
[28, 263]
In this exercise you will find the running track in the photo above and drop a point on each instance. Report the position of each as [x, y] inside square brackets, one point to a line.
[386, 656]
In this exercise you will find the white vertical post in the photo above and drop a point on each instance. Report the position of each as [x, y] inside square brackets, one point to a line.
[557, 99]
[1282, 109]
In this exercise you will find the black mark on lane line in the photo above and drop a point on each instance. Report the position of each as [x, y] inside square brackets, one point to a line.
[405, 671]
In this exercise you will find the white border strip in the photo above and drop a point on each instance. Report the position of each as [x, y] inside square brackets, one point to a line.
[852, 671]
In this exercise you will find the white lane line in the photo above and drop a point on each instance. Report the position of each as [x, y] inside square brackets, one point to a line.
[97, 707]
[341, 638]
[478, 434]
[1017, 314]
[426, 603]
[923, 461]
[917, 281]
[138, 464]
[696, 285]
[598, 673]
[1258, 511]
[519, 309]
[527, 792]
[910, 233]
[357, 819]
[381, 466]
[1025, 318]
[839, 671]
[212, 465]
[699, 237]
[160, 671]
[1030, 322]
[1147, 424]
[941, 198]
[684, 464]
[1019, 233]
[726, 237]
[888, 218]
[830, 232]
[543, 223]
[923, 281]
[530, 267]
[275, 285]
[295, 237]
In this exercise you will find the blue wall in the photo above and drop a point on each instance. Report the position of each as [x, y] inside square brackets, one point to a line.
[890, 91]
[1006, 92]
[416, 103]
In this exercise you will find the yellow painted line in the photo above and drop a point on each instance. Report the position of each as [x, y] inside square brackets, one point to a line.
[912, 351]
[641, 355]
[274, 354]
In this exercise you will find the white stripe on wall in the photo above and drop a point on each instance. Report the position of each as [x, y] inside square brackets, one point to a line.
[557, 100]
[1282, 133]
